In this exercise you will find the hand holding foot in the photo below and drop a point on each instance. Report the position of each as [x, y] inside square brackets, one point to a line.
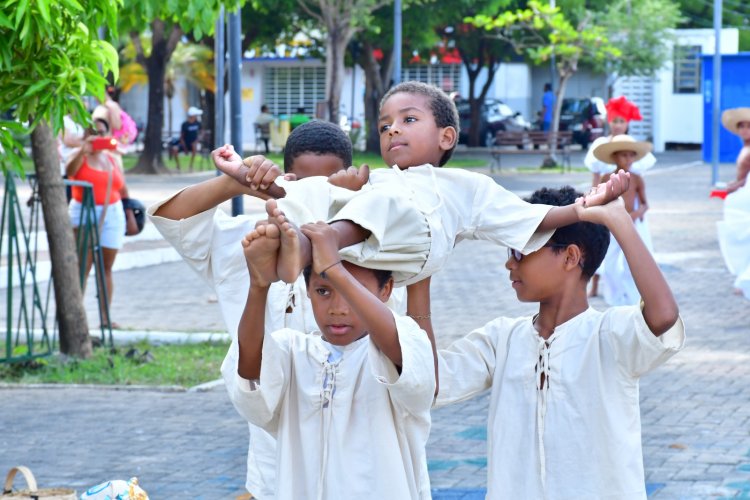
[352, 178]
[607, 191]
[324, 241]
[261, 248]
[295, 251]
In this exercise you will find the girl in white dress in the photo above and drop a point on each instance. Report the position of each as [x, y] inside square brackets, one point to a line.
[618, 286]
[620, 112]
[734, 229]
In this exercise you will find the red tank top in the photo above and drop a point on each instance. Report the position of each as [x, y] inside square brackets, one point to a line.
[98, 179]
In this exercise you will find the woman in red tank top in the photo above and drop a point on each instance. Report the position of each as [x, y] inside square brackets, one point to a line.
[102, 168]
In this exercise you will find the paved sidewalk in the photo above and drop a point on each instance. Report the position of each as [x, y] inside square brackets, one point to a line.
[695, 409]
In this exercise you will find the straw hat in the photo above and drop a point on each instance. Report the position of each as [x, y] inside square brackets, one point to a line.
[732, 117]
[624, 142]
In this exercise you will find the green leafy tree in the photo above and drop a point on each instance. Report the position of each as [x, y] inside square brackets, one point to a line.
[50, 58]
[341, 21]
[479, 50]
[168, 22]
[541, 31]
[373, 51]
[641, 31]
[735, 13]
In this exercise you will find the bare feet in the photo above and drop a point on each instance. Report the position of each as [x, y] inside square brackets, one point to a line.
[261, 247]
[295, 251]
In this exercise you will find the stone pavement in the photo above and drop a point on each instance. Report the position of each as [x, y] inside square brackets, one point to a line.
[192, 444]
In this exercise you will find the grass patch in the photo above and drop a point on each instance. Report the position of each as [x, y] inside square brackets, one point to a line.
[137, 364]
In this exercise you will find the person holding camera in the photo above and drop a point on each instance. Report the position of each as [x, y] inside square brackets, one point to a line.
[98, 163]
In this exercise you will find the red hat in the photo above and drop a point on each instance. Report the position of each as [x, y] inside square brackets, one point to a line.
[621, 107]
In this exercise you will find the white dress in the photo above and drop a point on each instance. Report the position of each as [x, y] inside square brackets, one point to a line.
[348, 425]
[578, 436]
[734, 237]
[416, 216]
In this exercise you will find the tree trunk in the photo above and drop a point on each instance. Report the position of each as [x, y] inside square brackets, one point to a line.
[551, 159]
[338, 39]
[377, 76]
[473, 69]
[162, 47]
[71, 315]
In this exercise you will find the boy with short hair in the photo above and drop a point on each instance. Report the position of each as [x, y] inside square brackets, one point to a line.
[209, 241]
[564, 417]
[349, 404]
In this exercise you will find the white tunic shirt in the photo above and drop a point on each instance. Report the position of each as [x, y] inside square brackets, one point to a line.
[579, 436]
[346, 428]
[417, 215]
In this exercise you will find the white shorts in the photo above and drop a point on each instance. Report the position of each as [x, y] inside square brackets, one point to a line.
[112, 232]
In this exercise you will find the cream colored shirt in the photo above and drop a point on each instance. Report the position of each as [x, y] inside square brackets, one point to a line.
[579, 436]
[349, 428]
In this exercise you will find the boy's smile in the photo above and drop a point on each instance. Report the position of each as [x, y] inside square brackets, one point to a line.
[409, 135]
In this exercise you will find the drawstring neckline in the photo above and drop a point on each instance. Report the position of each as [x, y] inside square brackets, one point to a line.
[542, 375]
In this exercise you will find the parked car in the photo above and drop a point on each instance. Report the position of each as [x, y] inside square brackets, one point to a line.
[585, 117]
[495, 116]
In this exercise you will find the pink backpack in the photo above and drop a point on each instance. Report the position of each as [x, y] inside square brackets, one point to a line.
[128, 132]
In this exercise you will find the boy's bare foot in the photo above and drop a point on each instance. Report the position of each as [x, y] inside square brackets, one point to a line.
[295, 251]
[261, 248]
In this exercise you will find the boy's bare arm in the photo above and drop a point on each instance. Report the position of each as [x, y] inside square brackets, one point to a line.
[659, 306]
[251, 328]
[211, 193]
[375, 315]
[640, 193]
[418, 308]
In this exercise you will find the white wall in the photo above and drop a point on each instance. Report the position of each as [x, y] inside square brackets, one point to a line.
[678, 118]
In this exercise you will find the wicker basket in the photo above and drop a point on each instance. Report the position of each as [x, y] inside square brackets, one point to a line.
[32, 493]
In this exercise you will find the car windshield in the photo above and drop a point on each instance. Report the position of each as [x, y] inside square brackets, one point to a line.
[573, 106]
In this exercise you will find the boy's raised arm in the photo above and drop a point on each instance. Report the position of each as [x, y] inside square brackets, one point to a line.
[378, 319]
[659, 307]
[260, 247]
[253, 177]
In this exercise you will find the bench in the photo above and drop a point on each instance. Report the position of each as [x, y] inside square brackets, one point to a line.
[530, 142]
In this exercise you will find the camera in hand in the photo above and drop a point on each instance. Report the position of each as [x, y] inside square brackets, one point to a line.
[102, 143]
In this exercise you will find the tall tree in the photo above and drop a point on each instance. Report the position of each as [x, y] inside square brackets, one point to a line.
[341, 21]
[374, 53]
[168, 22]
[49, 59]
[735, 13]
[479, 52]
[541, 31]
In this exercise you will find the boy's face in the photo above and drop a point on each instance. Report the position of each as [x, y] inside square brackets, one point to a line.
[623, 159]
[335, 317]
[539, 276]
[409, 135]
[311, 164]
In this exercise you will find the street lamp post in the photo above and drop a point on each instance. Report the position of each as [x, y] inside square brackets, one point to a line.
[235, 93]
[396, 78]
[716, 94]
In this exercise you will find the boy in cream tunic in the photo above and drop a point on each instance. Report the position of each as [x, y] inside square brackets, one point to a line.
[349, 405]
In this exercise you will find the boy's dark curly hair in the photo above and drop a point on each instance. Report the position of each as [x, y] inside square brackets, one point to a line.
[442, 106]
[320, 138]
[592, 239]
[380, 275]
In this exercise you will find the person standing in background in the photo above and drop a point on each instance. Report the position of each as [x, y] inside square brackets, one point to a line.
[263, 122]
[548, 106]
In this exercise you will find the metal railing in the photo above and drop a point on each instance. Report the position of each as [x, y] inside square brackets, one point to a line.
[27, 331]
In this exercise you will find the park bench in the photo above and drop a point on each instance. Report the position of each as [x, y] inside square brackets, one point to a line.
[530, 142]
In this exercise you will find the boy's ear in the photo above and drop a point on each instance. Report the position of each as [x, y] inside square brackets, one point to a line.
[385, 293]
[448, 138]
[573, 257]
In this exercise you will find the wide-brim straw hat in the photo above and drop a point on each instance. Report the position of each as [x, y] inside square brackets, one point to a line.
[623, 142]
[731, 118]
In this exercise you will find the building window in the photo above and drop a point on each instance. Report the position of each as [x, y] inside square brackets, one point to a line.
[687, 69]
[286, 88]
[445, 76]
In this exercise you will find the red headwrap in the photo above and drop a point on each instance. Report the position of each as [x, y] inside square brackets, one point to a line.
[621, 107]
